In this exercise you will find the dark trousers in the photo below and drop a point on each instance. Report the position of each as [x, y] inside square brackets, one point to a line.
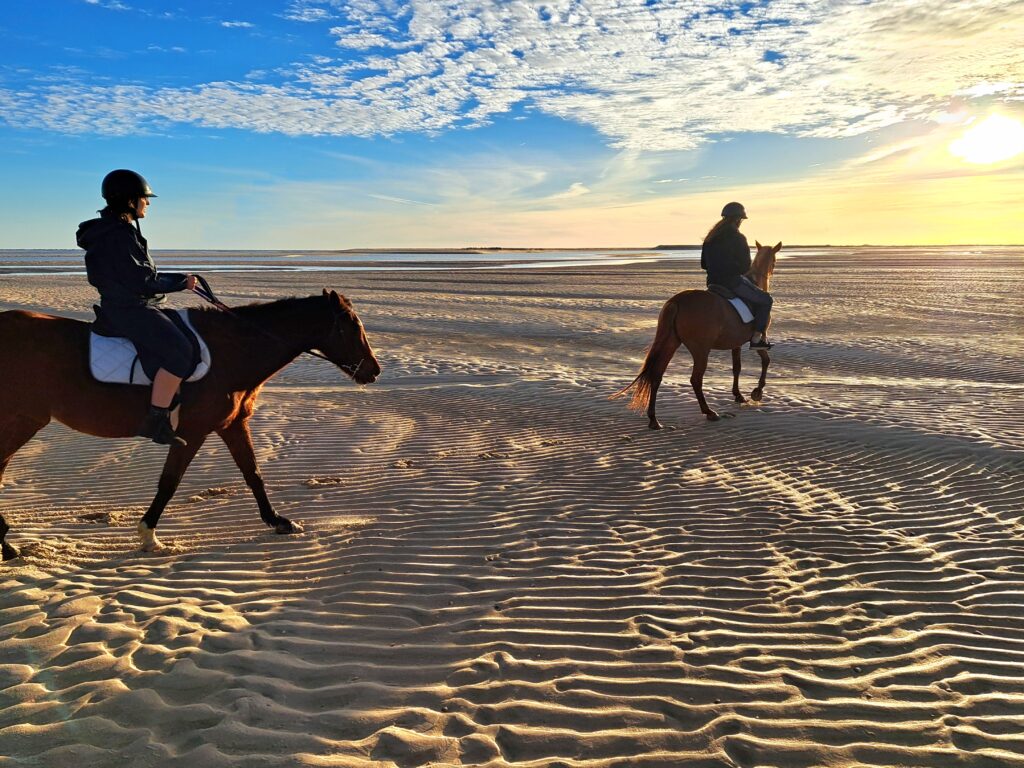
[760, 302]
[153, 333]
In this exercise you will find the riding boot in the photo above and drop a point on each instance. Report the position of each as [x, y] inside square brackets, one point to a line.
[157, 427]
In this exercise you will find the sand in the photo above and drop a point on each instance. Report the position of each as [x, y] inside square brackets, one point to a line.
[503, 567]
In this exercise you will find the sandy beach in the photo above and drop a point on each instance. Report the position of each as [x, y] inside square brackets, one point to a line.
[501, 566]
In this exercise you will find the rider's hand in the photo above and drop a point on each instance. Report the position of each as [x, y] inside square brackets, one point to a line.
[190, 282]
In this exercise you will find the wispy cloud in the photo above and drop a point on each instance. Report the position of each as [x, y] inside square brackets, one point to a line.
[662, 76]
[240, 24]
[576, 189]
[113, 5]
[402, 200]
[307, 11]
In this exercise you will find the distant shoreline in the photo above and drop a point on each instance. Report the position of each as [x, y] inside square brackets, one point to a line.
[495, 249]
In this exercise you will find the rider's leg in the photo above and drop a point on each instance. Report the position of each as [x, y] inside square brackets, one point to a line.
[157, 424]
[165, 385]
[176, 351]
[761, 302]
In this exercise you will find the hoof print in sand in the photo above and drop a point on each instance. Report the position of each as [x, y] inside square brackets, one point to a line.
[320, 480]
[209, 493]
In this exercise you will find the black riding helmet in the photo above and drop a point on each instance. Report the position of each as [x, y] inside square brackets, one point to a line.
[123, 184]
[733, 211]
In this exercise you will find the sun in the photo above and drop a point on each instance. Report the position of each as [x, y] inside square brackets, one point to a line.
[993, 139]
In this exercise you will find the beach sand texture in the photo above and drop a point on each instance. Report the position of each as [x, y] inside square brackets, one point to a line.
[503, 567]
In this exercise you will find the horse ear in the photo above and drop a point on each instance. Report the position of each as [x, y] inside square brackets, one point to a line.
[325, 292]
[758, 245]
[778, 247]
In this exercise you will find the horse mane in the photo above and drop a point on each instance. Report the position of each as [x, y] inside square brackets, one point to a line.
[276, 307]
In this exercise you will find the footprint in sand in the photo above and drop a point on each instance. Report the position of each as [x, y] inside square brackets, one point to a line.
[94, 517]
[209, 493]
[494, 455]
[313, 482]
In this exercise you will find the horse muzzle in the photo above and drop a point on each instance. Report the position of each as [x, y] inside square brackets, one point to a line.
[366, 372]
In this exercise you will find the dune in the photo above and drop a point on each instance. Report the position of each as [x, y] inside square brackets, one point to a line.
[501, 567]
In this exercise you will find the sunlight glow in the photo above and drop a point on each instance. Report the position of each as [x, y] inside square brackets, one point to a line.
[995, 138]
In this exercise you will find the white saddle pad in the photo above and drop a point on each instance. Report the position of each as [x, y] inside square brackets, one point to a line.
[744, 311]
[115, 360]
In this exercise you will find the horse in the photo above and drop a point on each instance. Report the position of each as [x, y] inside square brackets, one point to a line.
[702, 321]
[45, 360]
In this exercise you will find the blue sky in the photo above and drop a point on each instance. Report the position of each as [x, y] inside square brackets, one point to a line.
[393, 123]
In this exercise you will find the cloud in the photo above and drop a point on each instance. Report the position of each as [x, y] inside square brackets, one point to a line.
[576, 189]
[241, 24]
[307, 11]
[402, 200]
[663, 76]
[112, 5]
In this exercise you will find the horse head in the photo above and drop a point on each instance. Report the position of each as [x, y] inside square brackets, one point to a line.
[763, 265]
[345, 342]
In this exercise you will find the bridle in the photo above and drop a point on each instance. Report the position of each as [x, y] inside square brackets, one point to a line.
[205, 292]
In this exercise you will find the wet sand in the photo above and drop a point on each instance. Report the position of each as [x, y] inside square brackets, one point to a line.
[503, 567]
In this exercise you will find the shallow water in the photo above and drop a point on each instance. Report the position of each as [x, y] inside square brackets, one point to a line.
[68, 262]
[22, 263]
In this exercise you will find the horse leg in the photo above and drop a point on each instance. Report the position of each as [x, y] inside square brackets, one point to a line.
[658, 364]
[700, 364]
[759, 390]
[178, 459]
[736, 366]
[239, 441]
[13, 435]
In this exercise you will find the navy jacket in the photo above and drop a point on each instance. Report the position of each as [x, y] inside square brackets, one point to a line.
[118, 264]
[726, 258]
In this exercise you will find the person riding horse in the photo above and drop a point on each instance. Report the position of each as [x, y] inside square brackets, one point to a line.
[725, 256]
[119, 266]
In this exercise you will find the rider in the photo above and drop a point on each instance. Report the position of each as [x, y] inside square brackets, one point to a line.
[725, 256]
[118, 264]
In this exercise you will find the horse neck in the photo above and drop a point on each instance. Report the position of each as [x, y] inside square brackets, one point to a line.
[759, 274]
[276, 333]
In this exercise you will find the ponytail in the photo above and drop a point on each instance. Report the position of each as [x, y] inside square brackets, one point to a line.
[725, 222]
[119, 209]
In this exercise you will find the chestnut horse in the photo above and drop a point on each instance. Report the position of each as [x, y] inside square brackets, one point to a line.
[702, 321]
[45, 363]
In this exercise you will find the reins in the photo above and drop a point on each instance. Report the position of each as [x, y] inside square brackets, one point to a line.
[205, 292]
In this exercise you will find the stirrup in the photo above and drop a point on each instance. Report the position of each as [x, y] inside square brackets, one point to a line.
[762, 344]
[157, 427]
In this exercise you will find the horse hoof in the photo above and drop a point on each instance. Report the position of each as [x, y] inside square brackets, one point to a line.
[756, 395]
[654, 424]
[147, 537]
[9, 552]
[740, 399]
[284, 525]
[712, 416]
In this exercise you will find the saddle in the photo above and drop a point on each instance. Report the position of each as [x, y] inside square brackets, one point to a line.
[738, 304]
[115, 360]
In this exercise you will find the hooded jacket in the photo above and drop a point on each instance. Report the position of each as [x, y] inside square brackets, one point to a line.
[726, 258]
[118, 264]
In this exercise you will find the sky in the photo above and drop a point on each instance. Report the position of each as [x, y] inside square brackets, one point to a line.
[332, 124]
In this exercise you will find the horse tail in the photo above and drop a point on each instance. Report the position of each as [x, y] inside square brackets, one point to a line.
[639, 389]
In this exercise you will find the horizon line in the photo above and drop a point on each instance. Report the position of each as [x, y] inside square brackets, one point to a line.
[528, 248]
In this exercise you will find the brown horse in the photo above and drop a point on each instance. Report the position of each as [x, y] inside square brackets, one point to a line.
[46, 376]
[702, 321]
